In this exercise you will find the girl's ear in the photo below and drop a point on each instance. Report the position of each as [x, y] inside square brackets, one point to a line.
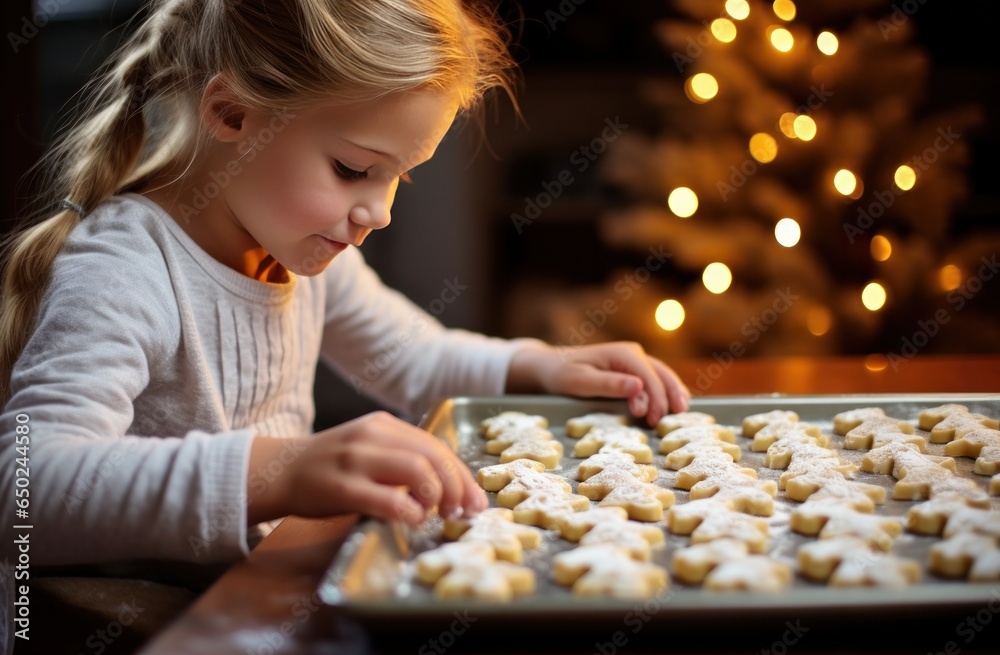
[224, 116]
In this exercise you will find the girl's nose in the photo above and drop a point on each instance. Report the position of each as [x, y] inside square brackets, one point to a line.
[374, 215]
[373, 209]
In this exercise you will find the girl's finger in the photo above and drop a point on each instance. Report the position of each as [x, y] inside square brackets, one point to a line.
[632, 359]
[588, 382]
[394, 468]
[399, 468]
[639, 404]
[382, 501]
[455, 476]
[462, 495]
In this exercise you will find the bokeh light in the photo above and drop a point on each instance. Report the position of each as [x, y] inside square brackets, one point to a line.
[683, 202]
[905, 177]
[804, 127]
[787, 124]
[787, 232]
[724, 30]
[782, 39]
[738, 9]
[950, 277]
[827, 43]
[880, 247]
[819, 320]
[784, 9]
[701, 88]
[876, 362]
[873, 296]
[845, 182]
[763, 147]
[717, 277]
[669, 315]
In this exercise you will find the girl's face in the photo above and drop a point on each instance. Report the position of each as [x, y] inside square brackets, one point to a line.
[317, 182]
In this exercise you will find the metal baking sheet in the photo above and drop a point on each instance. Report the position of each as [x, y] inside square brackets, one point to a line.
[372, 575]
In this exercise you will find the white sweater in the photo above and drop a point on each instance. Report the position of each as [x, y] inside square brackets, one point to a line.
[153, 365]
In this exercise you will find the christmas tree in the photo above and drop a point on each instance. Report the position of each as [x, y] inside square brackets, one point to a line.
[796, 199]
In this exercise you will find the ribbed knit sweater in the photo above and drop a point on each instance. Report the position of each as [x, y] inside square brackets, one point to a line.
[152, 366]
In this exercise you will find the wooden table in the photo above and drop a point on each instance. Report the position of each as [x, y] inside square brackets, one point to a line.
[266, 604]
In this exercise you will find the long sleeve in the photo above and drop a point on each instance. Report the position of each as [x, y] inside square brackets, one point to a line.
[152, 366]
[389, 348]
[108, 326]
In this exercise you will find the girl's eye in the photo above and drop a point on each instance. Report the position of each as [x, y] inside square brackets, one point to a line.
[348, 173]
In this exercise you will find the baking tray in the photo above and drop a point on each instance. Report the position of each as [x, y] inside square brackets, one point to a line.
[370, 578]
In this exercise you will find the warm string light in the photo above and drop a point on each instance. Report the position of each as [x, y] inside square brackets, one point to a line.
[787, 232]
[724, 30]
[786, 123]
[876, 362]
[683, 202]
[819, 320]
[784, 9]
[669, 315]
[717, 277]
[873, 296]
[827, 43]
[701, 88]
[738, 9]
[781, 39]
[845, 182]
[804, 127]
[763, 147]
[880, 247]
[905, 177]
[950, 277]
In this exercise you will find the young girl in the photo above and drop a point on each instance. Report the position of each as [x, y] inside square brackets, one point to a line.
[160, 331]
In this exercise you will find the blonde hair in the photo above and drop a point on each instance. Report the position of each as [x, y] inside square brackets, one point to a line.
[140, 113]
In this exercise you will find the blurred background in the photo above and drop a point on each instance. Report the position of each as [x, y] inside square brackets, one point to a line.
[713, 178]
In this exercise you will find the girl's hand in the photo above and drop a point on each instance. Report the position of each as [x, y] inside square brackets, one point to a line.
[376, 464]
[607, 370]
